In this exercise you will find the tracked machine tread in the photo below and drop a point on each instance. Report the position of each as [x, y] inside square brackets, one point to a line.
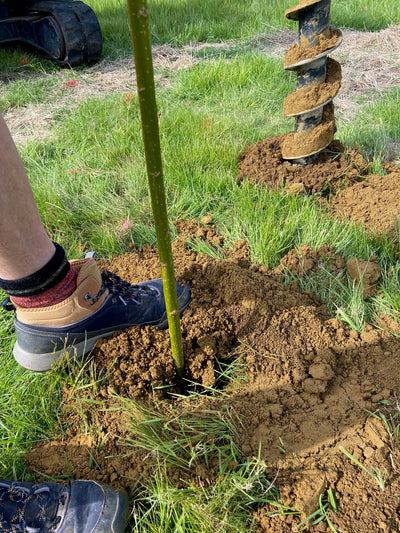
[66, 31]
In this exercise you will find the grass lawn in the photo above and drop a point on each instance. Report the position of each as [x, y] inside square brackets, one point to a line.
[88, 177]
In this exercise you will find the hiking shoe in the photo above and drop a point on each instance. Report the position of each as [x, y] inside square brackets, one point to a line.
[101, 305]
[78, 507]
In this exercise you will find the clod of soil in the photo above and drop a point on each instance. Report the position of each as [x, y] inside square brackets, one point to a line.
[311, 383]
[365, 272]
[304, 259]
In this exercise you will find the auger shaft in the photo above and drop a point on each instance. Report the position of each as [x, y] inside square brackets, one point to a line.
[316, 21]
[318, 81]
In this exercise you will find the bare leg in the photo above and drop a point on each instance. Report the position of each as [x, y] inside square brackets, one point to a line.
[25, 246]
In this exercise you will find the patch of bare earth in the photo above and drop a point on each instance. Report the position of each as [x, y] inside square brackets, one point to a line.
[310, 384]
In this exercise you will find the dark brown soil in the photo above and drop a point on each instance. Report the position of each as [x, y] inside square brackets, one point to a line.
[310, 384]
[263, 163]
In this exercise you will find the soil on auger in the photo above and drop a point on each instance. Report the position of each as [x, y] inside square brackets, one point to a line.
[66, 31]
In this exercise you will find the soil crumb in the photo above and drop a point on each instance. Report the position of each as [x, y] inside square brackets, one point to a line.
[309, 385]
[364, 273]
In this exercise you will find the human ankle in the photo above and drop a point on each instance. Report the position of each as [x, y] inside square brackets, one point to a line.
[49, 285]
[53, 296]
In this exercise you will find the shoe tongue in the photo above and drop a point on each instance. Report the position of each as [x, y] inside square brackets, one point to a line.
[89, 269]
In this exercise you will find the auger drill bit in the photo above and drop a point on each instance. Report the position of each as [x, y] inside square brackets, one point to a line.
[318, 82]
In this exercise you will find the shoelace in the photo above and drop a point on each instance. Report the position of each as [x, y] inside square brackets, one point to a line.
[121, 289]
[47, 508]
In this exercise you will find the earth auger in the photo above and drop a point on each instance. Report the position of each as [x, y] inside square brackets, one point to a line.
[318, 82]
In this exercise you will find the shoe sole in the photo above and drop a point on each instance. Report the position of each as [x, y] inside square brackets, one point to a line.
[44, 361]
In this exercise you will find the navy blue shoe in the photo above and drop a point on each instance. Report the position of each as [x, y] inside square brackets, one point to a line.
[78, 507]
[101, 305]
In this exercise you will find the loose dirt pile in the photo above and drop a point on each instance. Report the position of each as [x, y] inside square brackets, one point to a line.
[368, 199]
[310, 382]
[263, 163]
[373, 202]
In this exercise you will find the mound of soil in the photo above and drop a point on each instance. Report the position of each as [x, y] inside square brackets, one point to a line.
[373, 202]
[263, 163]
[310, 382]
[369, 200]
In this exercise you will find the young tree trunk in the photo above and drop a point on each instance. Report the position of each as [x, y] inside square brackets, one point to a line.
[140, 34]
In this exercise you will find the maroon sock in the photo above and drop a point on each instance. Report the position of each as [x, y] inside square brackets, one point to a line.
[53, 296]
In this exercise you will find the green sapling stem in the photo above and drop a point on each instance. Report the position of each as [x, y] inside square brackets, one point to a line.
[140, 35]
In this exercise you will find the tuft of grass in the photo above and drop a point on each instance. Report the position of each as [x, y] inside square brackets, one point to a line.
[29, 406]
[387, 301]
[389, 415]
[354, 311]
[22, 93]
[201, 246]
[226, 506]
[182, 440]
[374, 472]
[81, 380]
[343, 297]
[327, 506]
[231, 372]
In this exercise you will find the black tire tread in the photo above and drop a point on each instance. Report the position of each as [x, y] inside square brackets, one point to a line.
[91, 31]
[82, 40]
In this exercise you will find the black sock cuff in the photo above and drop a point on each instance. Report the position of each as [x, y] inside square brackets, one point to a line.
[42, 280]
